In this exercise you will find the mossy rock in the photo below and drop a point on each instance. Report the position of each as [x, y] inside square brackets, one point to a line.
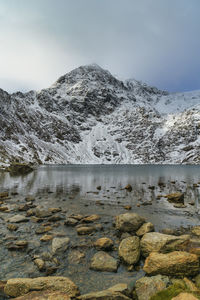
[16, 169]
[173, 291]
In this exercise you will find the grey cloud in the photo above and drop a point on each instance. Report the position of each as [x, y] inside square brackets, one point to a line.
[156, 41]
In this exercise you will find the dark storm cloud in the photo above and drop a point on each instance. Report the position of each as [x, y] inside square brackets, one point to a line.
[156, 41]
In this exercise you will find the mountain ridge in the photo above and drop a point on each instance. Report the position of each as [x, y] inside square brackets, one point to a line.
[89, 116]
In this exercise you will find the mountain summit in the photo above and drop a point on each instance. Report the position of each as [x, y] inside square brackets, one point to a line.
[89, 116]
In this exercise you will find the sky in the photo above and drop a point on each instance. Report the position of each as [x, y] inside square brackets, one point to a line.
[156, 41]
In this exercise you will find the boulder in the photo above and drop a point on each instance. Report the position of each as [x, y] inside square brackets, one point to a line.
[129, 250]
[155, 241]
[102, 261]
[59, 245]
[145, 228]
[129, 222]
[104, 244]
[44, 296]
[146, 287]
[20, 286]
[177, 263]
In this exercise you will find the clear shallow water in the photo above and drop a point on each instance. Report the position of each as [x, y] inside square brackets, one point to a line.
[73, 188]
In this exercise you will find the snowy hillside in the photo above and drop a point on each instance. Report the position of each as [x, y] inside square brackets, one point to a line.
[89, 116]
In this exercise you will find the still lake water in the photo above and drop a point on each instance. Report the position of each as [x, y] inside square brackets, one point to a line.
[73, 188]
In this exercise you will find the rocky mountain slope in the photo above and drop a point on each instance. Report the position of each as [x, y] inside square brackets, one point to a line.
[89, 116]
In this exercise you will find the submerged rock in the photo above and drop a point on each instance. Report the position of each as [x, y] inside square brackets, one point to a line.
[129, 250]
[102, 261]
[177, 263]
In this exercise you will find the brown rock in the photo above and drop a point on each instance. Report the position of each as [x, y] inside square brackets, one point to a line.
[12, 227]
[46, 238]
[104, 244]
[39, 263]
[20, 286]
[175, 197]
[44, 296]
[91, 218]
[155, 241]
[128, 187]
[185, 296]
[54, 209]
[4, 195]
[196, 230]
[145, 228]
[83, 230]
[177, 263]
[104, 295]
[129, 250]
[4, 208]
[43, 229]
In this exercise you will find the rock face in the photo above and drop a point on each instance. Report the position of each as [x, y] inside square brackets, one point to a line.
[129, 222]
[129, 250]
[102, 261]
[177, 263]
[146, 287]
[20, 286]
[89, 104]
[155, 241]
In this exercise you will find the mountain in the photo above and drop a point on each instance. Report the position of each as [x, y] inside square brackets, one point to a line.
[89, 116]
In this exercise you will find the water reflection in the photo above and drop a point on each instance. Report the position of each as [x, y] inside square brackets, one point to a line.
[148, 181]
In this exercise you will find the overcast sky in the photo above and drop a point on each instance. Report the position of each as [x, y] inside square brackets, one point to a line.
[156, 41]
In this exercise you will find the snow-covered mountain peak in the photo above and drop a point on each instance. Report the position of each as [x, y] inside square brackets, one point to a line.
[89, 116]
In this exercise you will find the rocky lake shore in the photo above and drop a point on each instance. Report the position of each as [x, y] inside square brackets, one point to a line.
[61, 244]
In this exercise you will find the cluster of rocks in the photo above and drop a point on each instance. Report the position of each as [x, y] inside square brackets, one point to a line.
[170, 261]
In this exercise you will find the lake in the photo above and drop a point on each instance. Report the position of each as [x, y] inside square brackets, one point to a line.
[73, 188]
